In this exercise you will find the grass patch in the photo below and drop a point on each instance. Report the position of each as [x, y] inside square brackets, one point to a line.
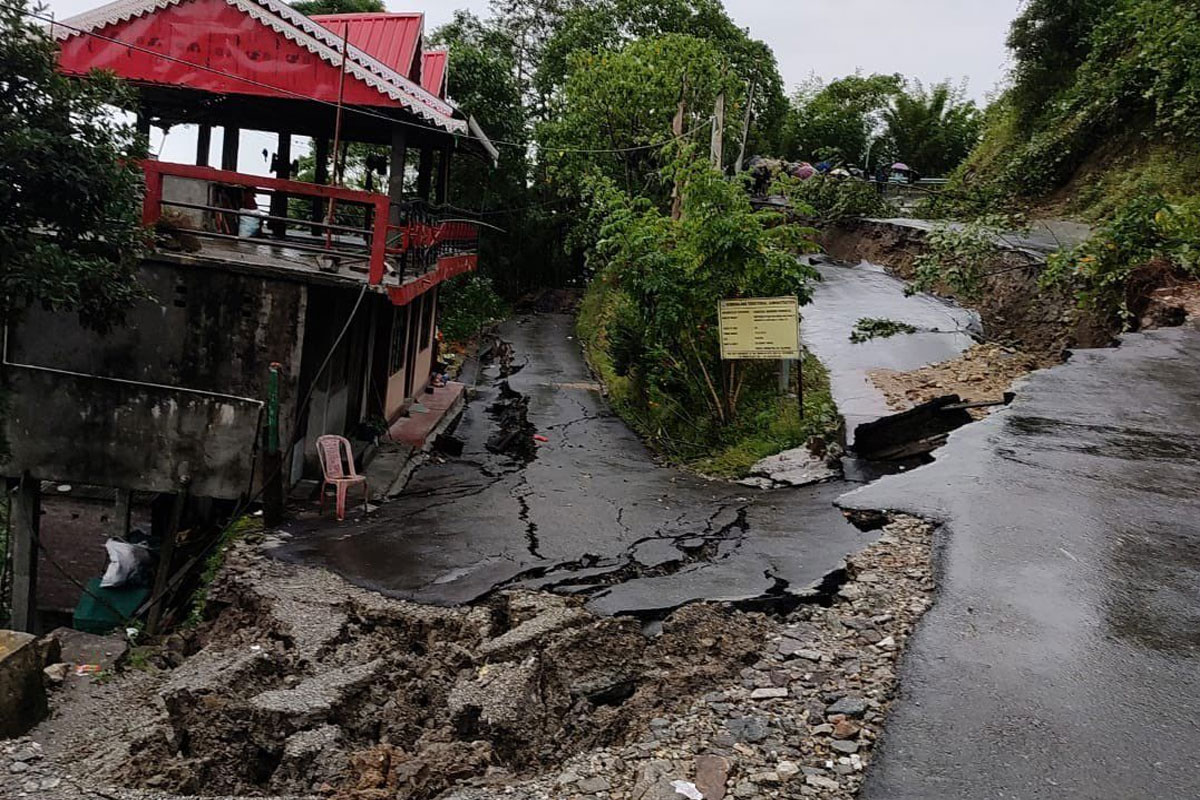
[767, 424]
[236, 530]
[778, 427]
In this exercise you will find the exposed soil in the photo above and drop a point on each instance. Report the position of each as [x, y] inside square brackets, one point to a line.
[982, 375]
[302, 685]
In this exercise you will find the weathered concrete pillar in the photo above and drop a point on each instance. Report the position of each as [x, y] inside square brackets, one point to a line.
[203, 145]
[229, 147]
[25, 511]
[425, 173]
[283, 171]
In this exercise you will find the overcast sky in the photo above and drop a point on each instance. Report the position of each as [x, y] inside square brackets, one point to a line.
[931, 40]
[927, 39]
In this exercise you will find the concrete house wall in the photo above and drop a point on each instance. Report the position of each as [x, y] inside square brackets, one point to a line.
[177, 390]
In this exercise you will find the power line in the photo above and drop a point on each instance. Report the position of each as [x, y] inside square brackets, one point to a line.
[354, 109]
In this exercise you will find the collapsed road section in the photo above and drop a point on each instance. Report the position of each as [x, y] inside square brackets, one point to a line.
[301, 685]
[588, 512]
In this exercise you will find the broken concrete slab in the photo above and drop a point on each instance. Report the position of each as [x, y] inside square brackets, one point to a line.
[22, 694]
[552, 620]
[316, 697]
[798, 467]
[81, 647]
[912, 433]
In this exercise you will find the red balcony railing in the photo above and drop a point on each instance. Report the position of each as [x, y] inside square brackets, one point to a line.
[348, 224]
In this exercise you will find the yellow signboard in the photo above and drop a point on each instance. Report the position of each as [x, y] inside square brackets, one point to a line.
[760, 328]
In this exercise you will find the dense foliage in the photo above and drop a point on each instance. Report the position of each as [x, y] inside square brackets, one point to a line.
[624, 101]
[665, 277]
[1146, 231]
[1103, 121]
[1092, 77]
[874, 120]
[840, 121]
[70, 213]
[932, 130]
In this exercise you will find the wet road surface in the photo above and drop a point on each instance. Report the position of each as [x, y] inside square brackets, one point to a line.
[848, 293]
[1062, 657]
[1042, 237]
[592, 513]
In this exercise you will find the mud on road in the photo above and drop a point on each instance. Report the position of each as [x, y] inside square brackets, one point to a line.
[303, 685]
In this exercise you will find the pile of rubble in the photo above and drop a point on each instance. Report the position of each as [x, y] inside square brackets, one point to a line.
[801, 721]
[981, 375]
[304, 686]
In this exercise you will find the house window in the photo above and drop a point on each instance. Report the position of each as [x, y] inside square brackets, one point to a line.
[430, 302]
[399, 340]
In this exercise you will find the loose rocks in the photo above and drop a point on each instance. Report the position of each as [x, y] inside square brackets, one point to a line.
[306, 686]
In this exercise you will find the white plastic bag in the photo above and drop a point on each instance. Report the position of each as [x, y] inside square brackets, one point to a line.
[127, 563]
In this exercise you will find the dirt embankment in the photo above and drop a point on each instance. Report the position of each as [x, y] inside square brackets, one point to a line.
[1015, 311]
[304, 686]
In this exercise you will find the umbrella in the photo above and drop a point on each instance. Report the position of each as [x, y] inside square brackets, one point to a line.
[901, 167]
[803, 171]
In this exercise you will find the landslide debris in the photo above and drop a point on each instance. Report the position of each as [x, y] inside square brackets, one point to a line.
[981, 375]
[301, 685]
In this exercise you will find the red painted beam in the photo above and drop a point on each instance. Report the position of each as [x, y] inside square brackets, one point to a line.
[447, 268]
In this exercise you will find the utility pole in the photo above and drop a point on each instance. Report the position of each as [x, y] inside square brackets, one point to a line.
[677, 130]
[741, 159]
[718, 134]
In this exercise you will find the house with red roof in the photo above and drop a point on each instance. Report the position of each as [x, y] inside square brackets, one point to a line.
[285, 306]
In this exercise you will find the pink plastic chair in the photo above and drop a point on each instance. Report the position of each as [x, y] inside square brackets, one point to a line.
[330, 450]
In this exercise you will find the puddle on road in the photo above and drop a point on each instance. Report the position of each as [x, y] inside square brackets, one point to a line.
[848, 293]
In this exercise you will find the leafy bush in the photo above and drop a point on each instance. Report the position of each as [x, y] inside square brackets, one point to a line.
[834, 200]
[650, 317]
[956, 255]
[468, 303]
[1147, 229]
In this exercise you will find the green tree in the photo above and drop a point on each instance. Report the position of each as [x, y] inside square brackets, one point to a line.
[625, 101]
[838, 121]
[311, 8]
[1049, 41]
[485, 83]
[932, 130]
[70, 224]
[605, 25]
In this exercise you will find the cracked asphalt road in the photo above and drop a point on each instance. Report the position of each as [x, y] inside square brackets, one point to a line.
[592, 514]
[1061, 657]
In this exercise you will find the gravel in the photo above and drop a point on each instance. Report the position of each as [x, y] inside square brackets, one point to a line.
[801, 721]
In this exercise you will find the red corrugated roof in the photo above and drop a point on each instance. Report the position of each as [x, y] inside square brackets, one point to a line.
[394, 39]
[433, 71]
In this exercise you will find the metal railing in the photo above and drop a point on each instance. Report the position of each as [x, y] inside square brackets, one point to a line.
[351, 226]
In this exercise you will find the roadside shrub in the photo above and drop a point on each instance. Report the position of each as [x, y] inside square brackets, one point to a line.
[1147, 229]
[834, 200]
[650, 325]
[468, 303]
[956, 256]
